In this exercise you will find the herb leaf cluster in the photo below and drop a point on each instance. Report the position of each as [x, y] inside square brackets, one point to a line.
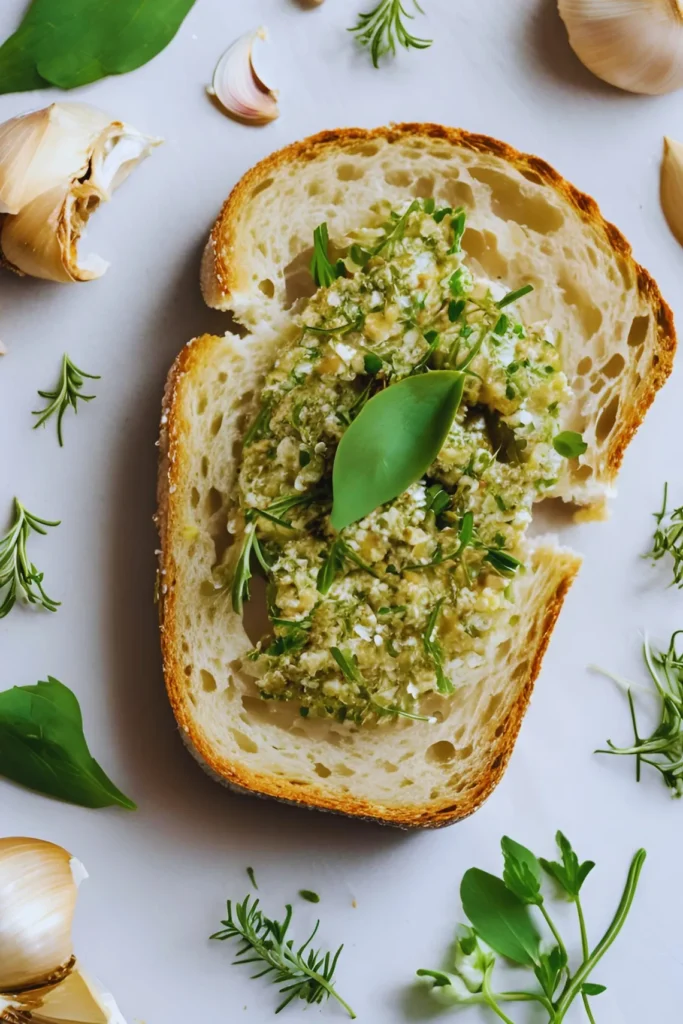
[19, 577]
[66, 394]
[500, 911]
[384, 28]
[43, 747]
[668, 538]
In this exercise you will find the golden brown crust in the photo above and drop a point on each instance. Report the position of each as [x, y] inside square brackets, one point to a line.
[220, 271]
[239, 777]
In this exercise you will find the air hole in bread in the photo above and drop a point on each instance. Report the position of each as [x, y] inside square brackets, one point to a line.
[344, 770]
[207, 588]
[188, 670]
[585, 365]
[615, 366]
[216, 424]
[584, 472]
[464, 752]
[458, 193]
[350, 172]
[406, 782]
[510, 202]
[598, 385]
[208, 680]
[638, 331]
[388, 766]
[521, 670]
[222, 377]
[204, 466]
[607, 419]
[494, 702]
[590, 315]
[401, 179]
[424, 187]
[483, 247]
[442, 752]
[261, 187]
[315, 188]
[244, 742]
[202, 403]
[214, 501]
[322, 770]
[267, 287]
[194, 497]
[256, 622]
[500, 729]
[185, 647]
[299, 283]
[367, 149]
[532, 176]
[434, 794]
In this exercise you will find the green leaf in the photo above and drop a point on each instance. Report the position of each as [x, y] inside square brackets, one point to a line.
[522, 872]
[392, 443]
[513, 296]
[309, 896]
[322, 271]
[549, 970]
[570, 874]
[42, 746]
[589, 988]
[372, 363]
[499, 917]
[69, 43]
[569, 444]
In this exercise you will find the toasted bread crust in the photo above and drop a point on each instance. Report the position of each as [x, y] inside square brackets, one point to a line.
[220, 267]
[174, 457]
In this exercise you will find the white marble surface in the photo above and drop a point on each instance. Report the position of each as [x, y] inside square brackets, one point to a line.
[159, 877]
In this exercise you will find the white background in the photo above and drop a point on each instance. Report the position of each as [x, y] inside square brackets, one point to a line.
[159, 877]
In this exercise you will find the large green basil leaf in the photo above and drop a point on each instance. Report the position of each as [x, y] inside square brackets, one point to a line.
[500, 917]
[392, 443]
[42, 746]
[72, 42]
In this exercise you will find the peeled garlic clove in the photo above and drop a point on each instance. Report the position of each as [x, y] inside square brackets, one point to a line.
[76, 1000]
[46, 148]
[671, 187]
[637, 46]
[237, 86]
[37, 903]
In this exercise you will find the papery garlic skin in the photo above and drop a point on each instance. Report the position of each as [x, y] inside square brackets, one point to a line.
[79, 999]
[636, 46]
[237, 86]
[56, 166]
[37, 903]
[671, 187]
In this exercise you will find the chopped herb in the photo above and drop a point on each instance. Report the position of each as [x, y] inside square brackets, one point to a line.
[458, 226]
[456, 308]
[432, 339]
[443, 212]
[569, 444]
[438, 499]
[309, 896]
[252, 877]
[347, 663]
[502, 324]
[458, 281]
[372, 363]
[500, 502]
[668, 539]
[513, 296]
[322, 271]
[360, 256]
[434, 650]
[304, 457]
[260, 427]
[331, 567]
[504, 563]
[400, 713]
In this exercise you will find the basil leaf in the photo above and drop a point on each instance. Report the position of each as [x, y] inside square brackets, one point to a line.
[499, 917]
[392, 443]
[522, 871]
[569, 444]
[589, 988]
[72, 42]
[42, 746]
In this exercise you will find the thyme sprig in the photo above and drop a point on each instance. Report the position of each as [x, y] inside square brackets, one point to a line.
[304, 973]
[384, 27]
[663, 748]
[19, 577]
[66, 394]
[668, 538]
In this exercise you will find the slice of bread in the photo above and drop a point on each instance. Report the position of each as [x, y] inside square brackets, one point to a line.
[525, 225]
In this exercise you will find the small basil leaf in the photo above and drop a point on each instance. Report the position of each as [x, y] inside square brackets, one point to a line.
[522, 872]
[42, 746]
[499, 917]
[590, 989]
[570, 874]
[569, 444]
[69, 43]
[392, 443]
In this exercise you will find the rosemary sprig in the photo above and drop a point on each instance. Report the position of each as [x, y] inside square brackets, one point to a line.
[18, 576]
[323, 271]
[434, 650]
[663, 748]
[382, 28]
[668, 538]
[67, 393]
[303, 973]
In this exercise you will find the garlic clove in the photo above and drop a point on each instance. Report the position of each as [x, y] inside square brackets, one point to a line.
[46, 148]
[238, 87]
[78, 999]
[671, 187]
[636, 46]
[37, 903]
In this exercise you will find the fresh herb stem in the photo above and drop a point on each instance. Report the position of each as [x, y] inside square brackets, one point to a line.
[382, 28]
[490, 998]
[585, 953]
[556, 935]
[668, 539]
[18, 576]
[608, 938]
[66, 394]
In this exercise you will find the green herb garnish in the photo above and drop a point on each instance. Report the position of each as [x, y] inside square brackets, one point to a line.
[668, 538]
[252, 877]
[322, 271]
[347, 663]
[513, 296]
[502, 919]
[384, 27]
[18, 576]
[569, 444]
[663, 748]
[502, 562]
[43, 747]
[303, 972]
[392, 443]
[372, 363]
[309, 896]
[434, 650]
[67, 393]
[69, 43]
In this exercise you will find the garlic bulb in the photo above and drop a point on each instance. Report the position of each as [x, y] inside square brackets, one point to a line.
[671, 187]
[237, 86]
[39, 980]
[635, 45]
[56, 166]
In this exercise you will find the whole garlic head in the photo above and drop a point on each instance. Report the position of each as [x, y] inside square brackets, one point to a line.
[56, 166]
[636, 45]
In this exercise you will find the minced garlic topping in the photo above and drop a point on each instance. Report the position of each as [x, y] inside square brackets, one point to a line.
[414, 592]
